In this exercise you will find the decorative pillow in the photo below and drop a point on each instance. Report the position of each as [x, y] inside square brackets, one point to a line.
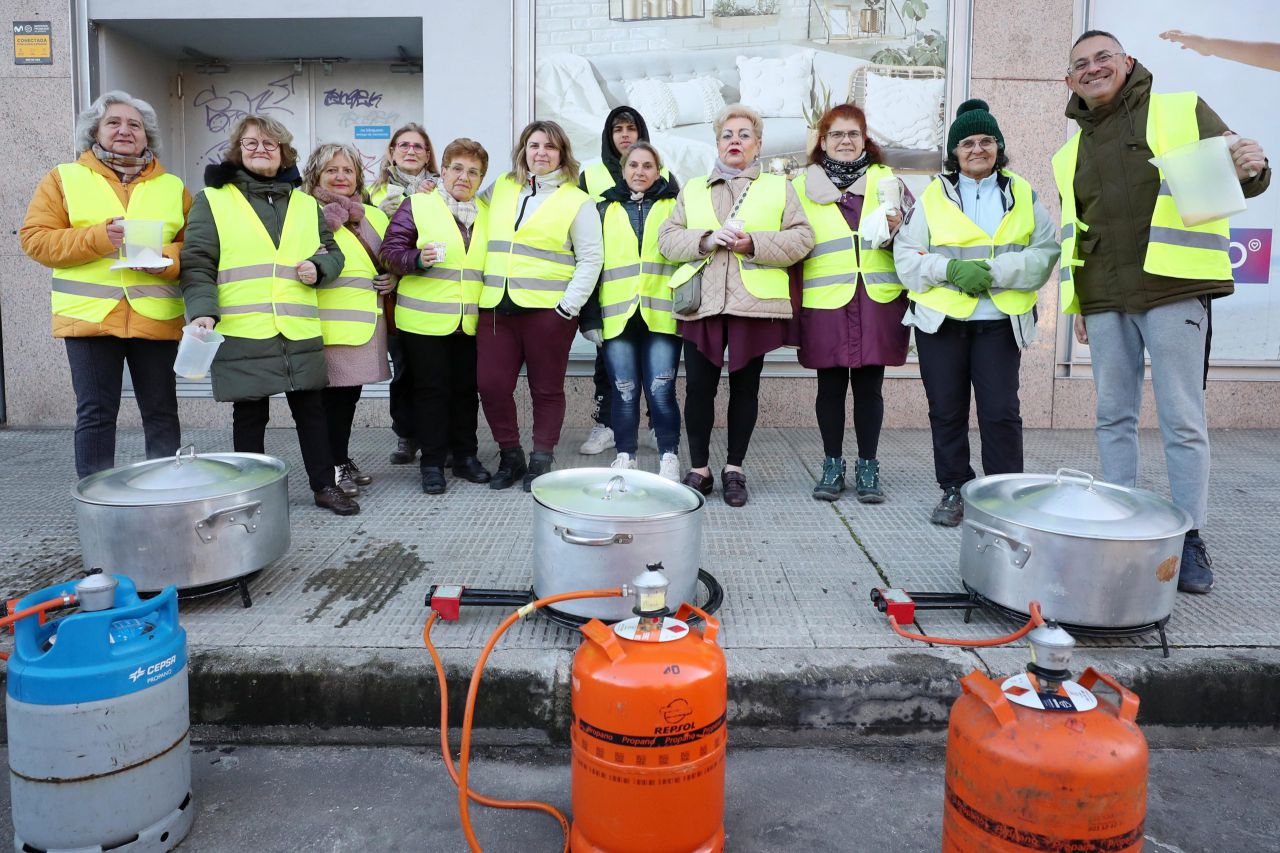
[654, 101]
[777, 87]
[905, 113]
[698, 100]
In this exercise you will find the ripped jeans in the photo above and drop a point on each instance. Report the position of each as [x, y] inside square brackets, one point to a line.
[640, 359]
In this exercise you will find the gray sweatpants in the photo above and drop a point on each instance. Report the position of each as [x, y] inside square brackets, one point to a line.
[1174, 335]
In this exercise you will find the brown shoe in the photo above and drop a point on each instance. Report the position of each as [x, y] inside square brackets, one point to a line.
[332, 498]
[733, 485]
[699, 483]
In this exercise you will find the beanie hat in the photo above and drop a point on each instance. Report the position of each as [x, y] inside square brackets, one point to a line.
[973, 116]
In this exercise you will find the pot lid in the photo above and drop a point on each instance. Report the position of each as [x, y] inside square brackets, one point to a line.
[614, 493]
[1075, 504]
[179, 479]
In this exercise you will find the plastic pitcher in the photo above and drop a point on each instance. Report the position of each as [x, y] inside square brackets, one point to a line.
[196, 351]
[1202, 178]
[143, 245]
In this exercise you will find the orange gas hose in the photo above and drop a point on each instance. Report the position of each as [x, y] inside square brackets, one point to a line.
[465, 794]
[35, 609]
[1034, 620]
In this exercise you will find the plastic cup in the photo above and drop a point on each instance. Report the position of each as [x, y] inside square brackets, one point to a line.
[143, 243]
[196, 351]
[1202, 179]
[890, 193]
[439, 247]
[735, 223]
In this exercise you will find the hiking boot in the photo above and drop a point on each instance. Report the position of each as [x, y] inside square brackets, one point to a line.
[433, 482]
[539, 464]
[343, 478]
[624, 460]
[600, 440]
[334, 499]
[950, 510]
[358, 477]
[831, 483]
[470, 469]
[866, 480]
[669, 467]
[406, 450]
[1196, 574]
[511, 467]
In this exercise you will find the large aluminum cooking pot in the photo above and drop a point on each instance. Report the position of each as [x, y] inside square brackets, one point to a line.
[190, 521]
[1093, 554]
[596, 528]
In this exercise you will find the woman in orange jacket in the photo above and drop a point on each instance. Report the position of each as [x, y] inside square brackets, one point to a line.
[110, 314]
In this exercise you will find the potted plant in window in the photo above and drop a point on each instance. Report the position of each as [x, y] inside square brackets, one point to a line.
[819, 103]
[745, 13]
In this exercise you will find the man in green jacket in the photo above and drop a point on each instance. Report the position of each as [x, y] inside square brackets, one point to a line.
[1124, 308]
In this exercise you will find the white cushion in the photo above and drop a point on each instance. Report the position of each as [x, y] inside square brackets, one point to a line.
[905, 113]
[654, 101]
[697, 100]
[777, 87]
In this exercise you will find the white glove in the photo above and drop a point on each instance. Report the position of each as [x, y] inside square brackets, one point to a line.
[594, 336]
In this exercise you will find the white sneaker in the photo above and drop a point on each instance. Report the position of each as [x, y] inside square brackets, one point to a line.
[670, 467]
[600, 440]
[624, 460]
[649, 439]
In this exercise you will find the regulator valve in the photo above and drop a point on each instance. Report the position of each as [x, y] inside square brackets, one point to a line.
[1051, 649]
[651, 596]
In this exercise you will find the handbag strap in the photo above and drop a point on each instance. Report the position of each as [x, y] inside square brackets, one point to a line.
[738, 203]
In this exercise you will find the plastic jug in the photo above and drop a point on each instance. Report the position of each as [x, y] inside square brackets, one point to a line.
[143, 245]
[1202, 179]
[196, 351]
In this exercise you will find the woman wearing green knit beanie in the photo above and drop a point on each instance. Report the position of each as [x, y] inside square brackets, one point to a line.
[973, 252]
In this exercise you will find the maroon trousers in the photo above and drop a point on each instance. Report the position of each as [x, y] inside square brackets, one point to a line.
[539, 341]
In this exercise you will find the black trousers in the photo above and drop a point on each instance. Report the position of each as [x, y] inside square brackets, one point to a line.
[401, 405]
[97, 375]
[249, 431]
[602, 411]
[340, 413]
[702, 381]
[868, 407]
[982, 354]
[446, 405]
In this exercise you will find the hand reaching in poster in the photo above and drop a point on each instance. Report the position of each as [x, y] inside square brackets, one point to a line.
[1262, 54]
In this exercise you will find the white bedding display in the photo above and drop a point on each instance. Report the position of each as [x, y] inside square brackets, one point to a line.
[904, 113]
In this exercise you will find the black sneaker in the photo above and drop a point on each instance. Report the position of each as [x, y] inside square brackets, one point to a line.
[433, 482]
[333, 499]
[406, 450]
[511, 467]
[539, 464]
[950, 510]
[469, 468]
[831, 483]
[1196, 574]
[866, 480]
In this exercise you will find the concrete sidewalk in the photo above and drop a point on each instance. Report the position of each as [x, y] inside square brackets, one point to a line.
[334, 636]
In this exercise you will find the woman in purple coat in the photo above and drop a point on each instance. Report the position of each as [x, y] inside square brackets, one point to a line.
[851, 301]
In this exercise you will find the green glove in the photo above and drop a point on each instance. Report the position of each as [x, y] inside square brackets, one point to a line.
[972, 277]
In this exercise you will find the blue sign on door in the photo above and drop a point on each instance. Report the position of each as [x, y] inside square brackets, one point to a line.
[373, 131]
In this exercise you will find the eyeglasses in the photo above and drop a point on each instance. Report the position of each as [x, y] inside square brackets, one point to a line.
[842, 135]
[255, 144]
[975, 144]
[469, 171]
[410, 146]
[1080, 66]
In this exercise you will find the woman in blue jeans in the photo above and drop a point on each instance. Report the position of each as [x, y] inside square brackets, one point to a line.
[641, 348]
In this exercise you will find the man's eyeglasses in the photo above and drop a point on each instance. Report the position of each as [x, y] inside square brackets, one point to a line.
[1080, 66]
[255, 144]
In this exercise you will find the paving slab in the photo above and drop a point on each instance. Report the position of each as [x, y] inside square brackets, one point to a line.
[334, 636]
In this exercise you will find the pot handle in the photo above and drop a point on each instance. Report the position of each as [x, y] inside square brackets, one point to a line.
[1019, 552]
[612, 539]
[186, 453]
[1074, 474]
[1128, 708]
[245, 515]
[618, 482]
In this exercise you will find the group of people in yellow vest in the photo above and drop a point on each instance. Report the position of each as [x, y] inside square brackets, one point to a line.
[309, 285]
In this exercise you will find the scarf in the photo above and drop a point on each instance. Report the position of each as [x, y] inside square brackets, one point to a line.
[463, 211]
[126, 168]
[346, 211]
[843, 174]
[720, 170]
[409, 182]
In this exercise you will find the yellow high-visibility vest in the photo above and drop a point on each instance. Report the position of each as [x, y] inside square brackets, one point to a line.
[1175, 250]
[599, 180]
[763, 210]
[952, 234]
[535, 263]
[259, 295]
[634, 276]
[436, 300]
[90, 291]
[839, 254]
[349, 306]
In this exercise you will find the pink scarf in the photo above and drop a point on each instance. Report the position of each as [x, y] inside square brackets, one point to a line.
[347, 211]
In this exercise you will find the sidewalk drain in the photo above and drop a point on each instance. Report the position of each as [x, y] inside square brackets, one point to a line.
[370, 580]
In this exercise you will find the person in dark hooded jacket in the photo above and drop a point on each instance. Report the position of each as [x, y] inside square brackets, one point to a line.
[631, 311]
[623, 127]
[254, 282]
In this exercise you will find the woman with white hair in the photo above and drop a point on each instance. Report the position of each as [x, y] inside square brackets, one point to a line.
[107, 313]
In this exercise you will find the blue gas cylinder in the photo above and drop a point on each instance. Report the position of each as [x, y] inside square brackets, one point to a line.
[99, 723]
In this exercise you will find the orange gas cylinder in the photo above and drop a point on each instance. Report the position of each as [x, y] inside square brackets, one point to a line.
[1040, 764]
[649, 737]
